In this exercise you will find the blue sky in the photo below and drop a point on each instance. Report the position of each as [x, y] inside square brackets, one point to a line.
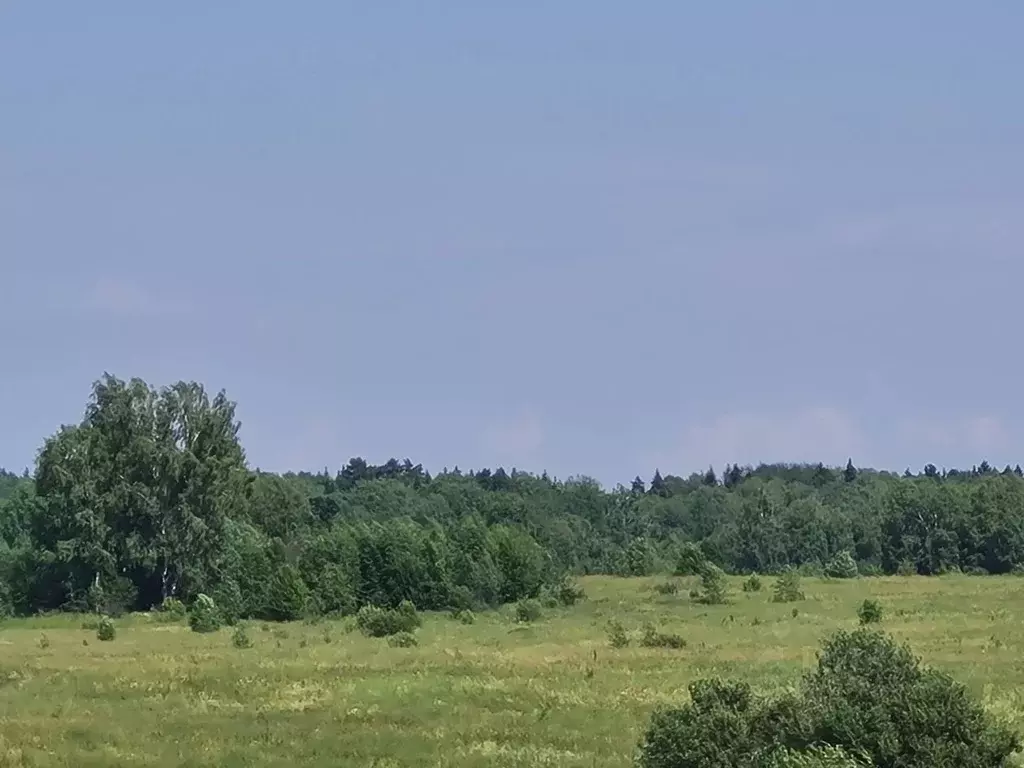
[592, 237]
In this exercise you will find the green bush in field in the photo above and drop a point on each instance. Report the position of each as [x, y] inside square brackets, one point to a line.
[171, 610]
[714, 589]
[787, 587]
[690, 560]
[652, 638]
[203, 615]
[869, 702]
[752, 583]
[374, 621]
[105, 630]
[869, 612]
[527, 610]
[465, 616]
[402, 640]
[617, 636]
[667, 587]
[568, 593]
[240, 638]
[842, 566]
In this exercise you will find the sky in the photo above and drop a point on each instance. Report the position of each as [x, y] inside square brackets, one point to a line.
[591, 237]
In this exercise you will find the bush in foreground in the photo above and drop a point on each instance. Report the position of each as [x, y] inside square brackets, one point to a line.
[402, 640]
[527, 610]
[714, 588]
[868, 696]
[240, 638]
[752, 584]
[171, 610]
[652, 638]
[105, 630]
[842, 566]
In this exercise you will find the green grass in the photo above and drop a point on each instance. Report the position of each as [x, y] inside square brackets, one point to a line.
[494, 693]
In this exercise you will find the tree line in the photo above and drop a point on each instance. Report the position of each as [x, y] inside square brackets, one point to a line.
[151, 497]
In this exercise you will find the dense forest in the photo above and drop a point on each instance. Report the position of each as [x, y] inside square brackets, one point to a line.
[151, 497]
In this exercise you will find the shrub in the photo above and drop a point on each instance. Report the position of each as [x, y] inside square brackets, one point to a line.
[868, 697]
[402, 640]
[287, 595]
[203, 615]
[869, 612]
[667, 587]
[752, 584]
[617, 637]
[691, 560]
[240, 638]
[374, 621]
[229, 601]
[567, 592]
[44, 641]
[870, 569]
[105, 630]
[465, 616]
[713, 586]
[652, 638]
[527, 611]
[814, 757]
[787, 587]
[906, 568]
[171, 610]
[811, 569]
[842, 566]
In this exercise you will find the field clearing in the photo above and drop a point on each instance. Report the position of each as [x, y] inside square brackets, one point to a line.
[489, 694]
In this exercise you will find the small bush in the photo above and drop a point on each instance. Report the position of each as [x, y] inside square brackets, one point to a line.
[105, 631]
[752, 584]
[842, 566]
[714, 588]
[203, 615]
[240, 638]
[617, 637]
[465, 616]
[869, 612]
[527, 611]
[374, 621]
[870, 569]
[170, 611]
[906, 568]
[44, 641]
[787, 587]
[667, 587]
[652, 638]
[402, 640]
[568, 593]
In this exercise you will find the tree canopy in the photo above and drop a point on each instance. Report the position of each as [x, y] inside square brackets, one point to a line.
[150, 497]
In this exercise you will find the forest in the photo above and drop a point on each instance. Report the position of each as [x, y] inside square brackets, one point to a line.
[150, 497]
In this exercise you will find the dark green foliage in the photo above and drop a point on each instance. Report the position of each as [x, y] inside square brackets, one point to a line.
[714, 589]
[869, 612]
[150, 496]
[240, 637]
[171, 610]
[842, 566]
[383, 622]
[287, 595]
[568, 592]
[105, 630]
[652, 638]
[691, 560]
[666, 587]
[203, 615]
[402, 640]
[465, 616]
[617, 636]
[527, 611]
[787, 587]
[868, 703]
[752, 583]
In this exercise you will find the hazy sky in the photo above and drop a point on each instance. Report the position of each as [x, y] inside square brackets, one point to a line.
[592, 237]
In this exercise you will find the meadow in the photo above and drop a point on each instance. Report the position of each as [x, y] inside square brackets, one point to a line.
[492, 693]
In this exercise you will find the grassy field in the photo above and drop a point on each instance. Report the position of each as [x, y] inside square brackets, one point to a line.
[489, 694]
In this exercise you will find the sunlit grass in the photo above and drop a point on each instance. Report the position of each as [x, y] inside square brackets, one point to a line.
[494, 693]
